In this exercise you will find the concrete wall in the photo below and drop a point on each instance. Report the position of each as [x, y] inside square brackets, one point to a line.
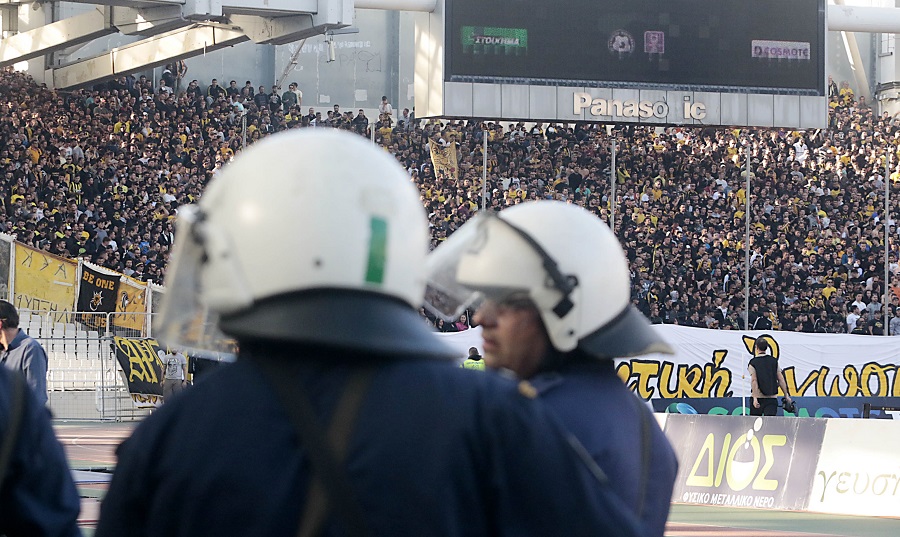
[374, 62]
[378, 60]
[246, 61]
[33, 16]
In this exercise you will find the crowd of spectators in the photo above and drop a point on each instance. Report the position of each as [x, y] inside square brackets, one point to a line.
[100, 173]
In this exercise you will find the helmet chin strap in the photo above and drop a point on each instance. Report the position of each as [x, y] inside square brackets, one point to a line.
[564, 283]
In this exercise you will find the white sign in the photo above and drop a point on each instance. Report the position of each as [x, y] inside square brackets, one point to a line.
[859, 469]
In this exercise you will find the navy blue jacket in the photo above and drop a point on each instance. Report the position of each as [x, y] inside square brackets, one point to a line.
[596, 406]
[37, 496]
[436, 450]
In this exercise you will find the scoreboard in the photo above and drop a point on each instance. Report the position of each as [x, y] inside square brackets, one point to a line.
[770, 46]
[721, 62]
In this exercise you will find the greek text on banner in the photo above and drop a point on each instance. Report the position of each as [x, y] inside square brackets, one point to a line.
[43, 282]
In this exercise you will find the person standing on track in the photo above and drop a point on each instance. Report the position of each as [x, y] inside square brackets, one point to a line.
[473, 361]
[765, 378]
[21, 352]
[174, 372]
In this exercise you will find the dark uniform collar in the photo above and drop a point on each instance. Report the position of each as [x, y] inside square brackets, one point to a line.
[545, 381]
[17, 340]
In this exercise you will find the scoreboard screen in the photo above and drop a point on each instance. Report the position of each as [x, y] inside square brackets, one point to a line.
[760, 46]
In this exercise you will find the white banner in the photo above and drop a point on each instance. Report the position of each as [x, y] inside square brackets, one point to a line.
[713, 363]
[463, 341]
[858, 472]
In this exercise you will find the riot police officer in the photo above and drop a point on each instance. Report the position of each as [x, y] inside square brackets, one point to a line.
[552, 290]
[343, 413]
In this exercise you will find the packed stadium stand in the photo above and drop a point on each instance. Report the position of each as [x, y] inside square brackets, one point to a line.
[100, 173]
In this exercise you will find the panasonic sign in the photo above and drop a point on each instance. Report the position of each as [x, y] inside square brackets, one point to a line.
[634, 109]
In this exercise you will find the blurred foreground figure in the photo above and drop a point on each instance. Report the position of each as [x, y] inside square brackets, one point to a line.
[344, 414]
[37, 495]
[551, 287]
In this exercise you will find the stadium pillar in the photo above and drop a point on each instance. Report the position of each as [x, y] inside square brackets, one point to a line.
[484, 137]
[887, 237]
[612, 188]
[244, 130]
[746, 259]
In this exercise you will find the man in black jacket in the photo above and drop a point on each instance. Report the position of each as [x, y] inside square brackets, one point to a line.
[765, 379]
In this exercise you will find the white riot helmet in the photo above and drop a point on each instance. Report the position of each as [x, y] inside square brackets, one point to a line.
[313, 236]
[563, 259]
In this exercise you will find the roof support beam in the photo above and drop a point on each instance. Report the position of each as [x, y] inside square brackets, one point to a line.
[281, 30]
[863, 19]
[136, 4]
[425, 6]
[148, 21]
[157, 50]
[56, 36]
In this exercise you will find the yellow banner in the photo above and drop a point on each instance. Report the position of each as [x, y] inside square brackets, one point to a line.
[444, 161]
[43, 282]
[131, 305]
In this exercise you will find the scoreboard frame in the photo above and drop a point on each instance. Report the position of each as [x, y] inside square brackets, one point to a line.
[678, 62]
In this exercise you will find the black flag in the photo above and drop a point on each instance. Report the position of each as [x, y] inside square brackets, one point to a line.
[97, 295]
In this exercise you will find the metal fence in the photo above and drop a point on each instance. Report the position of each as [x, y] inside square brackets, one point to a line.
[84, 379]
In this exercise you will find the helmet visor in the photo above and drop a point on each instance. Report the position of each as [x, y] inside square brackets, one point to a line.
[459, 274]
[185, 322]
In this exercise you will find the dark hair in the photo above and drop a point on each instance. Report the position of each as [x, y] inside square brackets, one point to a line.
[9, 315]
[761, 345]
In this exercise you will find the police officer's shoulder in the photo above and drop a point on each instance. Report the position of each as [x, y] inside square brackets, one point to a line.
[509, 387]
[544, 382]
[527, 390]
[492, 383]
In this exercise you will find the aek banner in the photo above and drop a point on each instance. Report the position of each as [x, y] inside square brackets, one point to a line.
[143, 368]
[43, 282]
[713, 363]
[97, 290]
[743, 461]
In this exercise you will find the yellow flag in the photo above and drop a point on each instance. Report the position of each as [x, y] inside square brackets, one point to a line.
[444, 161]
[43, 282]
